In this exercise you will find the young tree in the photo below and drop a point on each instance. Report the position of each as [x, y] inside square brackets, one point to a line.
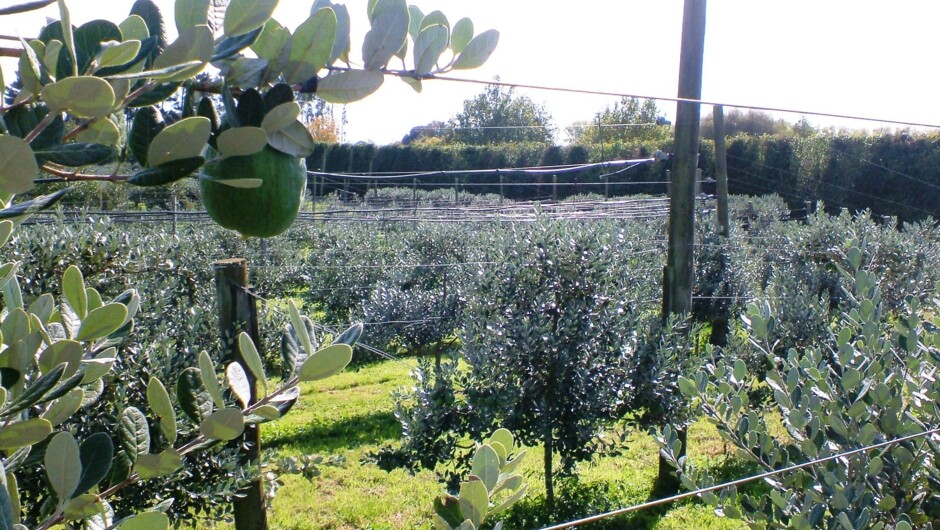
[497, 115]
[543, 341]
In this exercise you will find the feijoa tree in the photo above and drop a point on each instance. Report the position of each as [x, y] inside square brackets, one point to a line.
[88, 97]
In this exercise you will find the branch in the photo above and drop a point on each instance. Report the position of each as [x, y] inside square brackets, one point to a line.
[10, 52]
[62, 175]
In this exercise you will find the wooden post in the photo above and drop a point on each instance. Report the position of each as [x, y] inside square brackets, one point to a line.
[175, 208]
[554, 188]
[721, 171]
[456, 190]
[502, 195]
[678, 274]
[238, 312]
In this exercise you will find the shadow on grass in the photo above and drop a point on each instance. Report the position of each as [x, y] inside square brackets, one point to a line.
[349, 433]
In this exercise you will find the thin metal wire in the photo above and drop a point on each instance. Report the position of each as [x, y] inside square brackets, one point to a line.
[556, 170]
[682, 100]
[737, 482]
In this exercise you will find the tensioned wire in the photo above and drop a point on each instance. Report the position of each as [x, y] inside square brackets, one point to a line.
[738, 482]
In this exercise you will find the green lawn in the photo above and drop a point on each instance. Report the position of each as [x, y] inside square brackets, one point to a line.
[350, 415]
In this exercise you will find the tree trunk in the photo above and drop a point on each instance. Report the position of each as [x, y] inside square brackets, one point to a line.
[549, 482]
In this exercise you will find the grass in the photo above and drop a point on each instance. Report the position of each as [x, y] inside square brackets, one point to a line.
[350, 415]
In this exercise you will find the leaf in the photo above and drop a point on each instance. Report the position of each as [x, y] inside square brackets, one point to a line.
[507, 503]
[90, 37]
[341, 43]
[103, 132]
[18, 165]
[281, 115]
[193, 44]
[98, 367]
[209, 379]
[474, 501]
[194, 401]
[63, 351]
[158, 465]
[478, 51]
[243, 16]
[226, 424]
[238, 383]
[299, 328]
[311, 46]
[102, 322]
[486, 466]
[447, 507]
[83, 507]
[145, 521]
[233, 45]
[252, 360]
[388, 34]
[119, 53]
[157, 94]
[40, 203]
[85, 97]
[63, 466]
[73, 288]
[294, 140]
[189, 13]
[273, 45]
[167, 172]
[64, 407]
[147, 124]
[68, 38]
[434, 18]
[152, 17]
[133, 433]
[350, 336]
[461, 35]
[96, 453]
[414, 27]
[429, 46]
[268, 412]
[24, 433]
[159, 401]
[326, 362]
[134, 27]
[349, 86]
[242, 141]
[184, 139]
[34, 393]
[503, 437]
[234, 183]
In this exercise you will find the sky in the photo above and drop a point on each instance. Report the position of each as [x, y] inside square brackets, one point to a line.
[853, 57]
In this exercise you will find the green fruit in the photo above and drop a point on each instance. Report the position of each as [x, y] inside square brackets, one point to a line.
[264, 211]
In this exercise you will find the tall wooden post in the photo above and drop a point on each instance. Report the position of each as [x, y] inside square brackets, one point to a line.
[678, 275]
[238, 312]
[721, 171]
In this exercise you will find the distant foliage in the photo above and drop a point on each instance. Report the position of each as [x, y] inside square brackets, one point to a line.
[497, 116]
[628, 121]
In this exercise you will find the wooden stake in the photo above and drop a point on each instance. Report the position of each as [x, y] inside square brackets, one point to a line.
[678, 275]
[721, 171]
[238, 312]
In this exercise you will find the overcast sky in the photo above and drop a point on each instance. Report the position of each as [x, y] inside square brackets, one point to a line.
[857, 57]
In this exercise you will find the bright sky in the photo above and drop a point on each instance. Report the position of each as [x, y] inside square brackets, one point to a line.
[858, 57]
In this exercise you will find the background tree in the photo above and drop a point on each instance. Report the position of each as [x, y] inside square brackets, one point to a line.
[497, 115]
[435, 131]
[627, 121]
[751, 122]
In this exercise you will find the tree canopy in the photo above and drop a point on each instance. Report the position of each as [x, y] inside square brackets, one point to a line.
[497, 115]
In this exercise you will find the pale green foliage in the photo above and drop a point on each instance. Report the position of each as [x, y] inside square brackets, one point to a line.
[492, 487]
[871, 380]
[93, 74]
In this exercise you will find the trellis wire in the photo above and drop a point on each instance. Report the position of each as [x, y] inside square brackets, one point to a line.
[737, 482]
